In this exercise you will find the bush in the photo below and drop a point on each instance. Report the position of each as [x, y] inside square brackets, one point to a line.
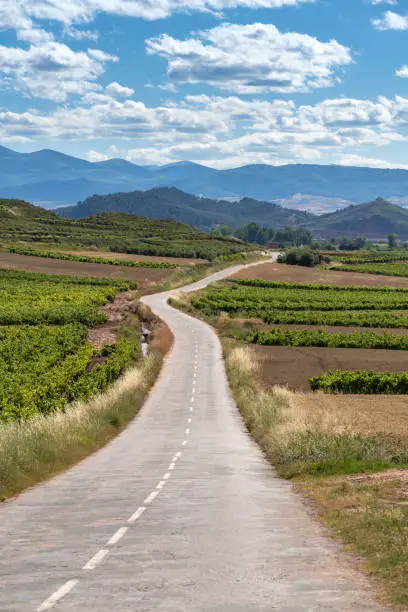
[361, 382]
[302, 257]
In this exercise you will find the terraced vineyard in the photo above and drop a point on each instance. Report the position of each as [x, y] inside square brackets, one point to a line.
[45, 359]
[116, 232]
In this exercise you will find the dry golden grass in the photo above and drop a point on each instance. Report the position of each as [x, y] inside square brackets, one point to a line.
[34, 450]
[326, 443]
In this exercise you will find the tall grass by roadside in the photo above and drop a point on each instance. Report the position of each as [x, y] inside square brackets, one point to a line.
[321, 449]
[33, 451]
[298, 442]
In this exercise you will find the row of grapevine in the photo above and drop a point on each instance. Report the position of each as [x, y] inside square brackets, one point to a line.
[361, 382]
[362, 340]
[90, 259]
[45, 359]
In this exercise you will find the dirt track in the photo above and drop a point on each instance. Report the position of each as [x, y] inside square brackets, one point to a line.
[293, 366]
[297, 274]
[145, 276]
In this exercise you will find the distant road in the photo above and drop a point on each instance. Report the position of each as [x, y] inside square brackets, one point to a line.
[180, 513]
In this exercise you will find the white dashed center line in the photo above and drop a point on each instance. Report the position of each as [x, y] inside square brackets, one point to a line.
[96, 560]
[166, 476]
[55, 597]
[184, 443]
[137, 514]
[187, 432]
[150, 497]
[117, 536]
[161, 484]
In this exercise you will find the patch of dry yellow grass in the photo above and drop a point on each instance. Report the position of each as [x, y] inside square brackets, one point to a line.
[34, 450]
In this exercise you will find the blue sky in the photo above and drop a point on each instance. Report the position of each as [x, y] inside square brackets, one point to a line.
[219, 82]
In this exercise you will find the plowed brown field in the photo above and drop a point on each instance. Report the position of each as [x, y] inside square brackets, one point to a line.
[297, 274]
[293, 366]
[145, 276]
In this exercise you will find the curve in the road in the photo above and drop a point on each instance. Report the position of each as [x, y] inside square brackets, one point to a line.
[181, 513]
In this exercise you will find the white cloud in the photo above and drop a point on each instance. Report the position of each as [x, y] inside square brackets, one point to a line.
[220, 131]
[80, 34]
[251, 59]
[402, 72]
[117, 90]
[368, 162]
[94, 156]
[52, 70]
[81, 11]
[391, 21]
[375, 2]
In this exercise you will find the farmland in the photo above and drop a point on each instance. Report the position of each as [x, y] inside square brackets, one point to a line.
[46, 360]
[24, 225]
[317, 360]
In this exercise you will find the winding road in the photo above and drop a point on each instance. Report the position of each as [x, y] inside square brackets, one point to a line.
[180, 513]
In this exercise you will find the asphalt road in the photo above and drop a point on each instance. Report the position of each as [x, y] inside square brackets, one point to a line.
[179, 513]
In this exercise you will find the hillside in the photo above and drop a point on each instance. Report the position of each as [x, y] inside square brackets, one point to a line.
[54, 179]
[23, 223]
[374, 220]
[199, 212]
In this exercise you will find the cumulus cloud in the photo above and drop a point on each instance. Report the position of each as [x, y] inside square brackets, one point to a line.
[117, 90]
[80, 11]
[369, 162]
[219, 131]
[391, 21]
[52, 70]
[251, 59]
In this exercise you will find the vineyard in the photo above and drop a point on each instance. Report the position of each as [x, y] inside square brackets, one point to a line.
[115, 232]
[89, 259]
[238, 305]
[360, 257]
[364, 382]
[45, 359]
[268, 303]
[370, 340]
[385, 269]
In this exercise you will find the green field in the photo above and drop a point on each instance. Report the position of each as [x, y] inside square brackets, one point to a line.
[270, 303]
[23, 223]
[45, 359]
[385, 269]
[289, 337]
[90, 259]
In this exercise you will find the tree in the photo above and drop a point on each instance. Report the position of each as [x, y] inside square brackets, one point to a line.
[392, 241]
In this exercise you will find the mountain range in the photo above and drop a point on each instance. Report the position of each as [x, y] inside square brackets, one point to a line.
[375, 220]
[54, 179]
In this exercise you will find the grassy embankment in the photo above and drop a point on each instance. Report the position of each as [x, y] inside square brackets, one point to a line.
[320, 452]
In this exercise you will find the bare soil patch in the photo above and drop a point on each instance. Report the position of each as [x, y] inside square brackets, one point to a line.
[116, 311]
[182, 261]
[147, 277]
[297, 274]
[293, 366]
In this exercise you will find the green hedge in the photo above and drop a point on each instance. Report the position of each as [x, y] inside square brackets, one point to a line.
[361, 382]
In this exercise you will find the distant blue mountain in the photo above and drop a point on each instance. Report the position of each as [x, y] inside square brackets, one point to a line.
[53, 179]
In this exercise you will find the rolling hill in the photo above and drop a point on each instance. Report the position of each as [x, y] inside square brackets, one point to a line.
[374, 220]
[53, 179]
[203, 213]
[23, 223]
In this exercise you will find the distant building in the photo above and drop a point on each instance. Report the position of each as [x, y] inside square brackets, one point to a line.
[273, 245]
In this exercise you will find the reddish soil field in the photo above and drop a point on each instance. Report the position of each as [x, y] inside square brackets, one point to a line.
[297, 274]
[145, 276]
[182, 261]
[293, 366]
